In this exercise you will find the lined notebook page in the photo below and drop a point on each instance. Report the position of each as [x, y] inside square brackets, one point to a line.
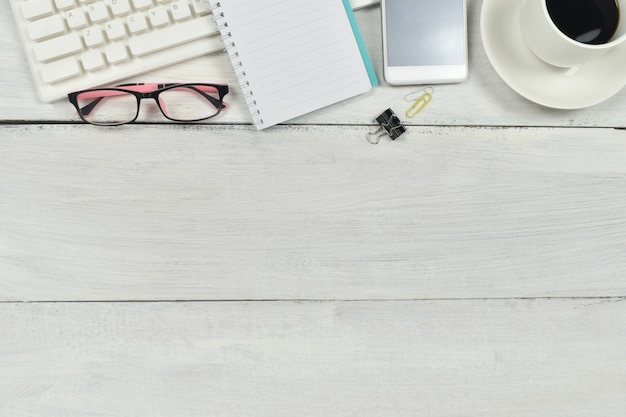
[292, 56]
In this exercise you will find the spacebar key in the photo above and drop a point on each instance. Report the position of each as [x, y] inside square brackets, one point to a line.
[171, 36]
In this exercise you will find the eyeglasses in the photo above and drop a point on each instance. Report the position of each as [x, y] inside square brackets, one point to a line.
[178, 102]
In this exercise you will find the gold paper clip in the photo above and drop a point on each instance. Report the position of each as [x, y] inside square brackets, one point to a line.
[420, 102]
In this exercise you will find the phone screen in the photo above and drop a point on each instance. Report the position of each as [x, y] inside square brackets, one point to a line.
[425, 32]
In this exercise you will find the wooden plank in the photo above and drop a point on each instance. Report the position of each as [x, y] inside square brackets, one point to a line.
[194, 212]
[481, 358]
[482, 100]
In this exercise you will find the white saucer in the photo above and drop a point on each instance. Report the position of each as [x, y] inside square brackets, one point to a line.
[534, 79]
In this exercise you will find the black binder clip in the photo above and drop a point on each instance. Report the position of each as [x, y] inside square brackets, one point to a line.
[390, 125]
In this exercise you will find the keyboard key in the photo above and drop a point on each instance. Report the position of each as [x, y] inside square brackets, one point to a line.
[168, 37]
[180, 10]
[76, 18]
[34, 9]
[93, 36]
[60, 70]
[46, 27]
[142, 4]
[58, 47]
[137, 23]
[115, 29]
[158, 17]
[98, 12]
[64, 4]
[116, 53]
[201, 7]
[92, 60]
[120, 7]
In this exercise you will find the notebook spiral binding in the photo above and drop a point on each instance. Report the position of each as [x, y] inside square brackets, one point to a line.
[230, 48]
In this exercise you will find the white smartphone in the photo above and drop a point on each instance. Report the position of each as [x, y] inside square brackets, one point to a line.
[424, 41]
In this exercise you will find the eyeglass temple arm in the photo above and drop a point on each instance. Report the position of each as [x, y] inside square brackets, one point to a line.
[146, 86]
[215, 102]
[85, 110]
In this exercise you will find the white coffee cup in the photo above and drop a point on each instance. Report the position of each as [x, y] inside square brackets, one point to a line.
[551, 45]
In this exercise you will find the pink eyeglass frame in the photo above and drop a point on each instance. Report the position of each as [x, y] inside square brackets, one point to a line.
[147, 90]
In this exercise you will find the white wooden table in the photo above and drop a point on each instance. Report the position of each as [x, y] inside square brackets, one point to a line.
[475, 267]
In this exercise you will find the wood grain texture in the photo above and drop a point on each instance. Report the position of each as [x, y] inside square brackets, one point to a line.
[194, 212]
[311, 249]
[526, 358]
[484, 99]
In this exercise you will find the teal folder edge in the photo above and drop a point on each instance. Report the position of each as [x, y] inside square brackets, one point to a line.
[359, 40]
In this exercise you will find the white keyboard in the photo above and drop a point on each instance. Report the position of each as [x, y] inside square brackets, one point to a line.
[73, 45]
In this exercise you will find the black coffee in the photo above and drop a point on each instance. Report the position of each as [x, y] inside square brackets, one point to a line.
[587, 21]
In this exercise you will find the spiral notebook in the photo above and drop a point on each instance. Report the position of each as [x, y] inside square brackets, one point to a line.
[292, 57]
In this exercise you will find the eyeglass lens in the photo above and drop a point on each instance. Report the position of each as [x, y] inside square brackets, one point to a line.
[182, 103]
[187, 103]
[107, 107]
